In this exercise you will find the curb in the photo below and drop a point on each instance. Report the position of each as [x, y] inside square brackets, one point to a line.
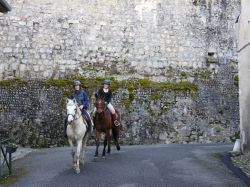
[226, 159]
[21, 152]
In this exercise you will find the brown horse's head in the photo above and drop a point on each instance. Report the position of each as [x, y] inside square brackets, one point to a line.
[100, 104]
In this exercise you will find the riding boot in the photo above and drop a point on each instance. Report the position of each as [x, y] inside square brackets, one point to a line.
[65, 128]
[89, 123]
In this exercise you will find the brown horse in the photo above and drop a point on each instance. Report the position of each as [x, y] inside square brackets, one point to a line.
[103, 123]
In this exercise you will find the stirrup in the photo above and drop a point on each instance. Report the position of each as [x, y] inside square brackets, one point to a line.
[116, 122]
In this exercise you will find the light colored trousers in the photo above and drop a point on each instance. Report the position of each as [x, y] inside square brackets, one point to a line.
[110, 107]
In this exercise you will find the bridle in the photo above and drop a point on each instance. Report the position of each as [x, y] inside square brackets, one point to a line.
[74, 115]
[101, 104]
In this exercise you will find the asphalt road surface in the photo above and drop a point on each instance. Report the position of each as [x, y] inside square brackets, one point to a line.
[133, 166]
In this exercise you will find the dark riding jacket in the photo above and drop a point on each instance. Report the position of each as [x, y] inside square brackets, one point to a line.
[107, 96]
[81, 98]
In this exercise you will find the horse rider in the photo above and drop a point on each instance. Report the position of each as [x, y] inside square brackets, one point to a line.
[106, 93]
[82, 100]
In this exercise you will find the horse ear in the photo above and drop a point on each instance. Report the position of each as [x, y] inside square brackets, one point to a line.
[74, 101]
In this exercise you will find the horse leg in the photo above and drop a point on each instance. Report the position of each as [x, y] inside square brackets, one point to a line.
[84, 145]
[116, 132]
[97, 136]
[116, 137]
[72, 152]
[104, 146]
[78, 151]
[109, 142]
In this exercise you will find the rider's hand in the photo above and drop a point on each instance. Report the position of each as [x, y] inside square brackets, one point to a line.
[81, 107]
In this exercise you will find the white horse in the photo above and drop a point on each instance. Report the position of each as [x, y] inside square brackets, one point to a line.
[76, 132]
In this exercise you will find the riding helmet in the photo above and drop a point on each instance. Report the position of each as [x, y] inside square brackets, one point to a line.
[76, 83]
[106, 82]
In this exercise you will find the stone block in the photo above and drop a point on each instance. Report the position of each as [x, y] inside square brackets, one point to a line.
[7, 50]
[22, 67]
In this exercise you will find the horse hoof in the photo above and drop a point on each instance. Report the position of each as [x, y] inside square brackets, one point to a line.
[103, 157]
[77, 171]
[118, 147]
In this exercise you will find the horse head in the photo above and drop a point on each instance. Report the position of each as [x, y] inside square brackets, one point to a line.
[100, 104]
[72, 110]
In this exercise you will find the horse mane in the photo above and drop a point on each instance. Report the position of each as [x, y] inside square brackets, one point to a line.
[79, 112]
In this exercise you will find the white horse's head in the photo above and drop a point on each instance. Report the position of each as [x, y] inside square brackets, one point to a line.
[72, 111]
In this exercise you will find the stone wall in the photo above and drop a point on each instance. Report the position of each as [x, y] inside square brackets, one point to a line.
[191, 40]
[32, 113]
[54, 38]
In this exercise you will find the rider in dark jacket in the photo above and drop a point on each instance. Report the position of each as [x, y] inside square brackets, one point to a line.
[106, 93]
[81, 98]
[83, 103]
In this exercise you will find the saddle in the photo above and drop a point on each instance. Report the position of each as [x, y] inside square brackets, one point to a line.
[89, 124]
[115, 117]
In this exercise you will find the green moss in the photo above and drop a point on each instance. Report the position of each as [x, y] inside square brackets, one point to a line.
[203, 74]
[131, 97]
[131, 88]
[194, 95]
[181, 86]
[236, 79]
[67, 93]
[130, 84]
[235, 136]
[115, 85]
[57, 83]
[183, 74]
[13, 82]
[133, 84]
[145, 83]
[154, 96]
[10, 180]
[91, 84]
[127, 102]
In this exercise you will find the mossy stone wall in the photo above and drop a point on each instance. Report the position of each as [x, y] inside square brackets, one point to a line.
[205, 111]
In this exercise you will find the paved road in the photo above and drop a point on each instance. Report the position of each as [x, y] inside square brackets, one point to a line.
[133, 166]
